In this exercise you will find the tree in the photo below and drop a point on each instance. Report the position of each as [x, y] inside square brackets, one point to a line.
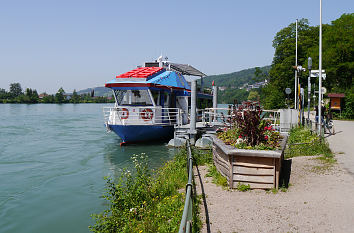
[254, 96]
[338, 58]
[349, 104]
[15, 90]
[59, 96]
[48, 99]
[3, 94]
[258, 75]
[338, 53]
[75, 98]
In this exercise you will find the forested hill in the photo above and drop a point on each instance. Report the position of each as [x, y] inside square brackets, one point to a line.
[239, 78]
[99, 91]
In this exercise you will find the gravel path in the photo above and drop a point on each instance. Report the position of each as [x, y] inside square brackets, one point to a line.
[342, 143]
[320, 199]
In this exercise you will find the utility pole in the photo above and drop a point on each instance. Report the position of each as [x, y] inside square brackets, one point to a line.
[320, 76]
[193, 121]
[296, 70]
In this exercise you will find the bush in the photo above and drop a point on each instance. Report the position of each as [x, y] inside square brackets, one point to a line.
[143, 202]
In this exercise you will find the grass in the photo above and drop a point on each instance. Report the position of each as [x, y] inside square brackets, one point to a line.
[243, 187]
[205, 157]
[312, 145]
[218, 179]
[307, 144]
[147, 201]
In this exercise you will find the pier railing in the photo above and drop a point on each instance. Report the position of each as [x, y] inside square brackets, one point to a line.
[186, 222]
[223, 117]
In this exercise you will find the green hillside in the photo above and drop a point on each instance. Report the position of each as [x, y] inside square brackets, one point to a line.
[237, 79]
[99, 91]
[230, 84]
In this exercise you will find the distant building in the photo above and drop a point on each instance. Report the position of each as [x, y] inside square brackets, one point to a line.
[41, 96]
[68, 96]
[254, 86]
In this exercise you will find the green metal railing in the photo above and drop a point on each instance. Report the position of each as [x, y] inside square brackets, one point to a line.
[186, 222]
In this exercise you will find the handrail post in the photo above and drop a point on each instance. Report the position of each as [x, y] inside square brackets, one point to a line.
[187, 216]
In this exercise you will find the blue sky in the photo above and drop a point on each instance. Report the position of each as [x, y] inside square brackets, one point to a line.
[78, 44]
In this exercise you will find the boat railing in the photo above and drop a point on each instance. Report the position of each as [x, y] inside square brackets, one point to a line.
[142, 115]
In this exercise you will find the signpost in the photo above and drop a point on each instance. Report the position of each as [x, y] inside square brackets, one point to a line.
[288, 91]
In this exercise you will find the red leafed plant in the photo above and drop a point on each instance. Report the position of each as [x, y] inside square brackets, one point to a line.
[250, 130]
[248, 121]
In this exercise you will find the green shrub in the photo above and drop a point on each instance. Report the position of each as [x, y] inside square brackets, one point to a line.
[145, 202]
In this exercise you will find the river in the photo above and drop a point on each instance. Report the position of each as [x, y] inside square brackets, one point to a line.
[53, 159]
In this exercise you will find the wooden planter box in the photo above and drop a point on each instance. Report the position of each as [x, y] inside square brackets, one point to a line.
[258, 168]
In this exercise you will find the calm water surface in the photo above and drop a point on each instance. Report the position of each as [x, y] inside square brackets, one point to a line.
[52, 162]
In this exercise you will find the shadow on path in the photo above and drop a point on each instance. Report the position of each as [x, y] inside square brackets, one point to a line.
[285, 173]
[204, 201]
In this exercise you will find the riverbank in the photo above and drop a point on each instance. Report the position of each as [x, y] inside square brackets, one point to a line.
[145, 200]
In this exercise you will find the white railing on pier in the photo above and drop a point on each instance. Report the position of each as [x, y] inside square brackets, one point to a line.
[146, 115]
[223, 117]
[217, 116]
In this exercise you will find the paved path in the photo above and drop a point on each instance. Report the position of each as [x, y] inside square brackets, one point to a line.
[342, 143]
[320, 199]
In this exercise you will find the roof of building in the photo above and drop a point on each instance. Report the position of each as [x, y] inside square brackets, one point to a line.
[336, 95]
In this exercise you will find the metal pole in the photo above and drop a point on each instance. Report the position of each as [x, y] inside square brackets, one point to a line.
[320, 76]
[308, 96]
[193, 110]
[215, 101]
[309, 66]
[296, 69]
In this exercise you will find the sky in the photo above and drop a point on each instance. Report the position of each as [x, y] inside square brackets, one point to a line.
[72, 44]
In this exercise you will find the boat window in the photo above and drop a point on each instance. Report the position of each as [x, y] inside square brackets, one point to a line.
[166, 99]
[156, 96]
[133, 97]
[204, 103]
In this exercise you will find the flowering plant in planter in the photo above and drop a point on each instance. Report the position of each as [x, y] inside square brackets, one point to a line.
[249, 130]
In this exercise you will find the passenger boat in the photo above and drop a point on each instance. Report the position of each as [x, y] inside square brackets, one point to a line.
[150, 100]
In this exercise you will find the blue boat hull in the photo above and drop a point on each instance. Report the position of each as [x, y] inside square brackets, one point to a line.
[142, 133]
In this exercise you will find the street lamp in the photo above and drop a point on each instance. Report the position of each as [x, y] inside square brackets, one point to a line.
[309, 66]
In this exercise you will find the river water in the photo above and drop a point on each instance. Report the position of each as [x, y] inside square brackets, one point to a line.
[53, 159]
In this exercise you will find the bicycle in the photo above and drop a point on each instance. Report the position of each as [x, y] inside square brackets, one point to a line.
[328, 126]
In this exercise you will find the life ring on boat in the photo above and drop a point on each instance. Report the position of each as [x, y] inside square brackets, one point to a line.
[124, 113]
[146, 114]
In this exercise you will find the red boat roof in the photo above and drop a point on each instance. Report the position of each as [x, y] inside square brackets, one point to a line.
[142, 72]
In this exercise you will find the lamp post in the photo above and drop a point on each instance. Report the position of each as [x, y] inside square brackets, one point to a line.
[320, 76]
[309, 66]
[296, 84]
